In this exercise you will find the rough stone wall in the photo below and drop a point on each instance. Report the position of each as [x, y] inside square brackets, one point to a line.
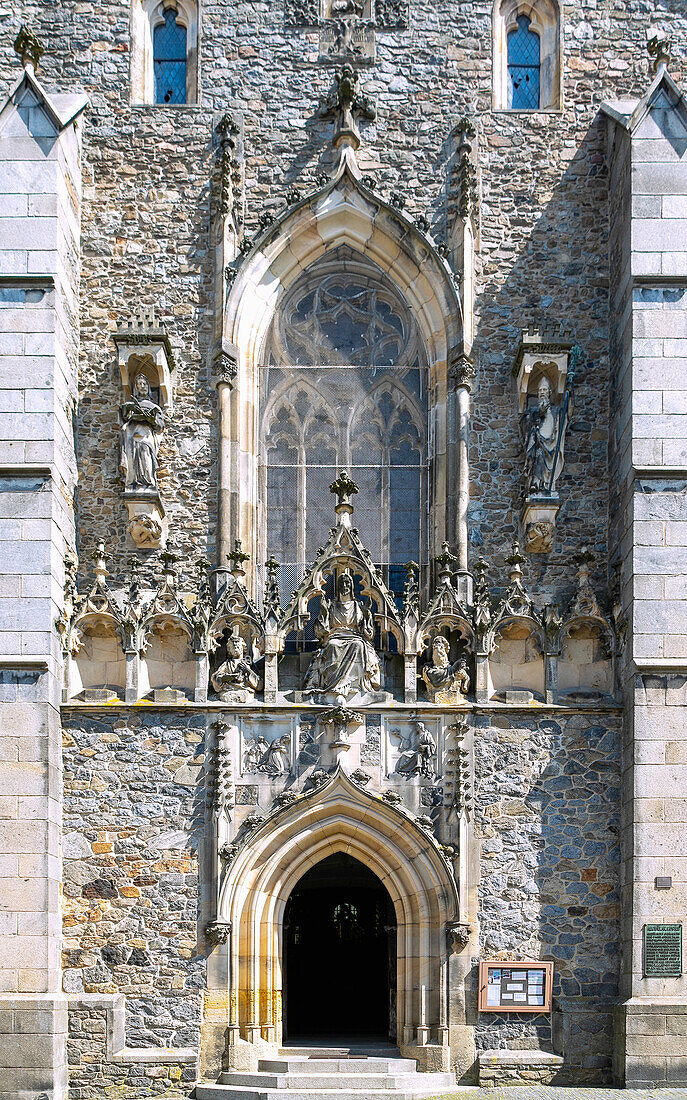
[543, 242]
[133, 817]
[547, 807]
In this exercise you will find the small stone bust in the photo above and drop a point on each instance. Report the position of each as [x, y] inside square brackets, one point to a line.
[446, 682]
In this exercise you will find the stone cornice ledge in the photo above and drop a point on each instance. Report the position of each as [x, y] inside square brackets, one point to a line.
[657, 664]
[23, 661]
[117, 1051]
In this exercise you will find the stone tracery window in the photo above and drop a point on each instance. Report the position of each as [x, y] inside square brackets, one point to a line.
[527, 66]
[344, 387]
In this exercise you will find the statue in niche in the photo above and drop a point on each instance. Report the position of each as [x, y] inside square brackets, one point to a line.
[272, 758]
[418, 753]
[142, 423]
[543, 427]
[346, 663]
[446, 681]
[235, 680]
[346, 14]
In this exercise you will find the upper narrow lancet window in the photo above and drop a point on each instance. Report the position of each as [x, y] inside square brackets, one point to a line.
[169, 59]
[344, 387]
[523, 67]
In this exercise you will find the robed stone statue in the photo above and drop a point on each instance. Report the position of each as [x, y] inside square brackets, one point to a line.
[346, 663]
[543, 428]
[142, 423]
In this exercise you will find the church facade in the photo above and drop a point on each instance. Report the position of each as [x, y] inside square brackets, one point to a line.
[343, 555]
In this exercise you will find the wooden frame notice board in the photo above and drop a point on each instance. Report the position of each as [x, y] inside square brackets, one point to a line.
[509, 986]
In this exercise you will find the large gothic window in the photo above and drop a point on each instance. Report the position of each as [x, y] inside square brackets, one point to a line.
[344, 387]
[164, 52]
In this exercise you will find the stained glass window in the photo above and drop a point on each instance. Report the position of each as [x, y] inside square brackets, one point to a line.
[523, 67]
[169, 60]
[344, 387]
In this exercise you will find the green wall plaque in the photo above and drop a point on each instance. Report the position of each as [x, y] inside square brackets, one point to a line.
[662, 950]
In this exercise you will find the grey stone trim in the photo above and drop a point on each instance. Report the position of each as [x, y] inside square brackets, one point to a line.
[653, 664]
[114, 1006]
[23, 661]
[660, 471]
[25, 470]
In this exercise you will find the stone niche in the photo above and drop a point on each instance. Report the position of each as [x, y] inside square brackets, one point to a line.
[542, 364]
[517, 663]
[168, 661]
[146, 364]
[98, 668]
[585, 664]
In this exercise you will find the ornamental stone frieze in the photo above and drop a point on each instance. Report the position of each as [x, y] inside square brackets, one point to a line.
[212, 642]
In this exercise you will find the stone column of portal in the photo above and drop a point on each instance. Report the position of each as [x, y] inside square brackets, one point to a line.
[226, 370]
[461, 376]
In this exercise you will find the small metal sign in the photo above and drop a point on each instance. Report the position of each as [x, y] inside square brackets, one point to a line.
[662, 950]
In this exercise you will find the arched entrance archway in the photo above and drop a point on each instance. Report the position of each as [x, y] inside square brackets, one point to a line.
[339, 954]
[338, 816]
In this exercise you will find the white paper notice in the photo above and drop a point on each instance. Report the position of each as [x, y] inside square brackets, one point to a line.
[493, 992]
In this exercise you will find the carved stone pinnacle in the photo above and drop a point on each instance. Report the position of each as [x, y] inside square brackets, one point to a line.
[29, 49]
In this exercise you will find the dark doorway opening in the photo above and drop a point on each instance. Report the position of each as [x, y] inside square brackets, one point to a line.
[340, 954]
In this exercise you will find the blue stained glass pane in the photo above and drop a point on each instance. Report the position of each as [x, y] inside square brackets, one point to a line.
[169, 60]
[523, 67]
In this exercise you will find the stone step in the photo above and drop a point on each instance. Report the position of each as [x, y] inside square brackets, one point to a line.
[302, 1064]
[343, 1050]
[243, 1092]
[329, 1082]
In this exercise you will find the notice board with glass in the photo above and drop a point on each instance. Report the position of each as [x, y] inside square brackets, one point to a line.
[507, 986]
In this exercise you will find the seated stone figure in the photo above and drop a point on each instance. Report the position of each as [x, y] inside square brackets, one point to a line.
[236, 681]
[346, 664]
[446, 682]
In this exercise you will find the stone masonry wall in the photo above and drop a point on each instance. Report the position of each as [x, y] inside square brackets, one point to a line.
[543, 236]
[547, 815]
[134, 811]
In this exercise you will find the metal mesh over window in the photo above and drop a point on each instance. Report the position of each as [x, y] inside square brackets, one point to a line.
[317, 421]
[169, 60]
[523, 67]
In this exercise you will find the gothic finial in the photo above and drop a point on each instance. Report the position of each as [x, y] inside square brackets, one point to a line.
[29, 49]
[237, 557]
[344, 488]
[658, 47]
[445, 560]
[98, 557]
[346, 101]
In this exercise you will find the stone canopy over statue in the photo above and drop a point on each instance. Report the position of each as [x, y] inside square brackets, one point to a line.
[346, 665]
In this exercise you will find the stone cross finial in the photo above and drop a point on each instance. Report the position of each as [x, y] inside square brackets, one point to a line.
[29, 49]
[346, 101]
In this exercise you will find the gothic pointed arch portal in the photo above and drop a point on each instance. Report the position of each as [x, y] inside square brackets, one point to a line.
[396, 310]
[338, 817]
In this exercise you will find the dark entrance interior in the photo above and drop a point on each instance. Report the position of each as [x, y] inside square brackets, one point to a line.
[340, 954]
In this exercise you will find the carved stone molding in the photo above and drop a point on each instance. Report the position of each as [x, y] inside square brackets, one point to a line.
[458, 935]
[218, 932]
[226, 363]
